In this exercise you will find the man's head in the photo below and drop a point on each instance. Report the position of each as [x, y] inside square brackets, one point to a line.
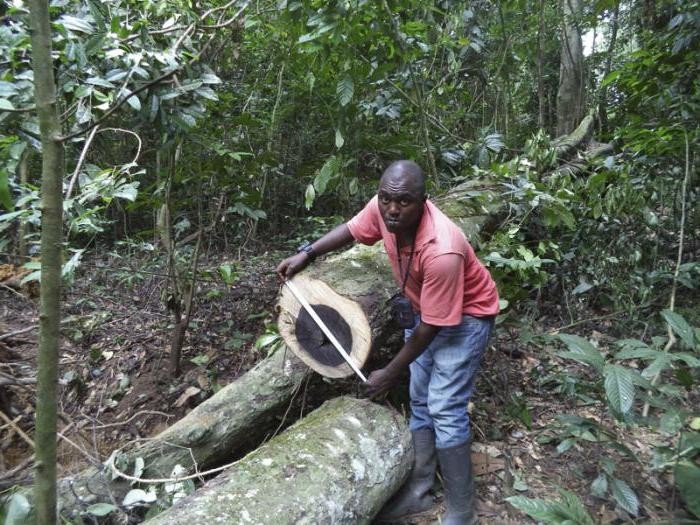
[401, 197]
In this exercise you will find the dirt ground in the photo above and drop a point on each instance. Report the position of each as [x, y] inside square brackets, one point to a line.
[115, 386]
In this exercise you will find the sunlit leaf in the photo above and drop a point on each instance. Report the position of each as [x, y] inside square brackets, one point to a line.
[619, 387]
[345, 90]
[680, 327]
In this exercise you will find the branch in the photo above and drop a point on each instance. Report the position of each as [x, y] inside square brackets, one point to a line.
[160, 78]
[19, 110]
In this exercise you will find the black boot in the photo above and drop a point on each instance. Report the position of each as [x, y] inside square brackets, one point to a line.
[458, 484]
[413, 496]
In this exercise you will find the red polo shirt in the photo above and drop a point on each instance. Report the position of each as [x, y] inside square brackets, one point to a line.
[446, 280]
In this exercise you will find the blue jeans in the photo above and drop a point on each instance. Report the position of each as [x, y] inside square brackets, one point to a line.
[443, 379]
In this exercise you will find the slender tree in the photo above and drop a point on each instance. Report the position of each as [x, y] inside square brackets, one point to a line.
[571, 94]
[51, 236]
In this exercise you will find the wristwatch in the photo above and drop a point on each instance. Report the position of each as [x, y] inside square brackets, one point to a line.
[307, 249]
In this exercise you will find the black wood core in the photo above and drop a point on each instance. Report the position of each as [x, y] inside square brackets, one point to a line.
[313, 340]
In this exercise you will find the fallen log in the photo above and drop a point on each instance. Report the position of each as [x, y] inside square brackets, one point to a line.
[235, 419]
[242, 413]
[338, 465]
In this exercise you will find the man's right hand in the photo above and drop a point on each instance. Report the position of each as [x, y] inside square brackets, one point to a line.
[292, 265]
[334, 239]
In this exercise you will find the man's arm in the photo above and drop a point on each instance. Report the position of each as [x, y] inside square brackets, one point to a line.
[381, 380]
[334, 239]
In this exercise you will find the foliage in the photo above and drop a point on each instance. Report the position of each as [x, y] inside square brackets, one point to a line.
[569, 510]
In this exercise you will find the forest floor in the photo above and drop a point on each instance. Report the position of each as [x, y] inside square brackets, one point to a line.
[115, 388]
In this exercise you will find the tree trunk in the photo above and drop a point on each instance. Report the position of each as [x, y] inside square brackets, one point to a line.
[236, 418]
[51, 239]
[540, 67]
[340, 464]
[571, 94]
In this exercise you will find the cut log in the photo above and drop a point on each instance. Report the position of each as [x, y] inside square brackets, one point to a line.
[339, 465]
[235, 419]
[362, 275]
[344, 318]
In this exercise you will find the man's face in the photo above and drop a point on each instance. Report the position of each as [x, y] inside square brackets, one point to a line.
[400, 204]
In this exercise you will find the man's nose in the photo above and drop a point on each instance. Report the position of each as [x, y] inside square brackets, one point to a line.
[393, 209]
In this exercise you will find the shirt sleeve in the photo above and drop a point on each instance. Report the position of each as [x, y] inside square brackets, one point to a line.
[442, 293]
[364, 226]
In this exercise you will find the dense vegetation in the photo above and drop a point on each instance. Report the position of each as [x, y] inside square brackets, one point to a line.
[244, 124]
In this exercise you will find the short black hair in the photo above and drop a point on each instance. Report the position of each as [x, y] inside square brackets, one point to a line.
[409, 170]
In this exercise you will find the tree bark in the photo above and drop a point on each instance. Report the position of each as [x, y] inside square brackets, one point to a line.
[51, 239]
[339, 465]
[571, 94]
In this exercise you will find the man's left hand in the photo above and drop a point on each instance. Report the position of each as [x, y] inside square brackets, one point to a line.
[380, 381]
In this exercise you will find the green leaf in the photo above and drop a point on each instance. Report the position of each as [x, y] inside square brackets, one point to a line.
[5, 196]
[582, 350]
[680, 326]
[687, 477]
[624, 496]
[72, 264]
[309, 196]
[610, 77]
[6, 104]
[600, 485]
[619, 387]
[17, 510]
[210, 78]
[339, 140]
[34, 276]
[266, 340]
[535, 508]
[127, 191]
[76, 24]
[660, 363]
[101, 509]
[345, 90]
[97, 81]
[227, 273]
[134, 102]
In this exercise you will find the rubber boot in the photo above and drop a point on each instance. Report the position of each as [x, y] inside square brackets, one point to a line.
[458, 485]
[413, 497]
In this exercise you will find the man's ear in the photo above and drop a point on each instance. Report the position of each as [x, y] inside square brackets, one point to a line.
[426, 197]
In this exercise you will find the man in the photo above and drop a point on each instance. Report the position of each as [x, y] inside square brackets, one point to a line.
[455, 302]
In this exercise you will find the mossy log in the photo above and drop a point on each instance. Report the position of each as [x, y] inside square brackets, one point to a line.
[235, 419]
[338, 465]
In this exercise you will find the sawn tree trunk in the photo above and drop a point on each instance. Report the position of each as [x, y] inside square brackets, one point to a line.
[338, 465]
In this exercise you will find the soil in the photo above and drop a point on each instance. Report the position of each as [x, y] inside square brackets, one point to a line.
[115, 386]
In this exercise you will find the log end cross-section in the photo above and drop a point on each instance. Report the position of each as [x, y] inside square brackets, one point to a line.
[344, 318]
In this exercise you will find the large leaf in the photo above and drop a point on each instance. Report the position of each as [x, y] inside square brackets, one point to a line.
[688, 480]
[345, 90]
[17, 510]
[624, 496]
[101, 509]
[535, 508]
[680, 326]
[619, 387]
[582, 351]
[568, 511]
